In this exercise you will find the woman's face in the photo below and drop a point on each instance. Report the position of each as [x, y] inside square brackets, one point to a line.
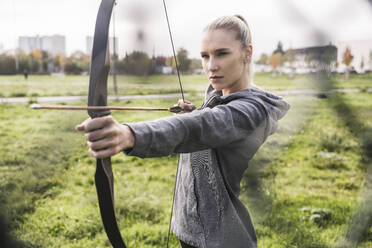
[224, 60]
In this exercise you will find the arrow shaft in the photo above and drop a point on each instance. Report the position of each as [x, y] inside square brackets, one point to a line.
[66, 107]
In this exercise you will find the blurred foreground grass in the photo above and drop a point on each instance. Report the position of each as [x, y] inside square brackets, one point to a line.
[301, 188]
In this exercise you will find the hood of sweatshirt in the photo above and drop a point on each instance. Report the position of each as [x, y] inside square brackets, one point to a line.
[275, 105]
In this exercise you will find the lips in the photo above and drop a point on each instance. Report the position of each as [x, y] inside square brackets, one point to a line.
[215, 77]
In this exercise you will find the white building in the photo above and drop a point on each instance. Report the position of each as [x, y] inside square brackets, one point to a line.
[89, 45]
[360, 49]
[1, 48]
[164, 69]
[52, 44]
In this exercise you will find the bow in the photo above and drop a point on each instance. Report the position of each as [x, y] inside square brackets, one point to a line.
[99, 70]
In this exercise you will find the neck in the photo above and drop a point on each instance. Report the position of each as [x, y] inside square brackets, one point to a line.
[245, 82]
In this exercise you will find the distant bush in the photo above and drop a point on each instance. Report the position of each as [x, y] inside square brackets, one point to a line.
[136, 63]
[7, 64]
[18, 94]
[72, 68]
[77, 63]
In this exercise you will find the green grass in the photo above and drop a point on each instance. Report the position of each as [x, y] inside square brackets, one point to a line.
[292, 176]
[316, 160]
[47, 186]
[35, 86]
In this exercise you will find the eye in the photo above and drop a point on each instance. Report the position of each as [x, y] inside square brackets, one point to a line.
[222, 54]
[204, 56]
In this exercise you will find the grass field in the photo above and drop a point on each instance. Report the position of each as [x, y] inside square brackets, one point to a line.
[17, 86]
[303, 188]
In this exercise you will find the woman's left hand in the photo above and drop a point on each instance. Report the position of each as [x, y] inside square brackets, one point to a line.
[105, 136]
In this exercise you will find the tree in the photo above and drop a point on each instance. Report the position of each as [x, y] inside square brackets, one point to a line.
[7, 64]
[290, 57]
[196, 66]
[263, 60]
[347, 58]
[170, 62]
[275, 61]
[137, 63]
[362, 63]
[336, 64]
[24, 62]
[279, 48]
[160, 60]
[37, 54]
[183, 60]
[57, 61]
[77, 63]
[36, 58]
[72, 68]
[81, 59]
[45, 61]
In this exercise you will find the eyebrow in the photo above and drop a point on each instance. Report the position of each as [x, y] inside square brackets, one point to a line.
[216, 51]
[222, 50]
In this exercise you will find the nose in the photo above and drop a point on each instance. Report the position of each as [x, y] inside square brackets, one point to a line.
[212, 64]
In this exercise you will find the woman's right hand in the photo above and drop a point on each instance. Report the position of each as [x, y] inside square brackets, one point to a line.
[186, 105]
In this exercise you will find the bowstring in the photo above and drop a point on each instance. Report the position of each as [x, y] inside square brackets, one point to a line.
[174, 193]
[174, 52]
[183, 99]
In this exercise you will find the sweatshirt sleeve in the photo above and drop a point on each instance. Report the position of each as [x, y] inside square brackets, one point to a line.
[198, 130]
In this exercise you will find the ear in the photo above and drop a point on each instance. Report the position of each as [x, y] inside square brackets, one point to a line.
[248, 50]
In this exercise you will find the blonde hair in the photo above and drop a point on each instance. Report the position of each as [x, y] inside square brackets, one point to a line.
[238, 24]
[235, 23]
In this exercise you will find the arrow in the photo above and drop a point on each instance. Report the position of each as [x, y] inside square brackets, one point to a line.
[175, 109]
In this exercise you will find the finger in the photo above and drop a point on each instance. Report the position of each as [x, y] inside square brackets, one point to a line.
[104, 143]
[98, 123]
[93, 153]
[108, 130]
[104, 153]
[181, 101]
[187, 106]
[190, 106]
[96, 135]
[81, 126]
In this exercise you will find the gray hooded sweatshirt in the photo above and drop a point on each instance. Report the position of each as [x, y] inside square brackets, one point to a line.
[215, 144]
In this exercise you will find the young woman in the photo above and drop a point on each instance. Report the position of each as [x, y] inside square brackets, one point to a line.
[215, 142]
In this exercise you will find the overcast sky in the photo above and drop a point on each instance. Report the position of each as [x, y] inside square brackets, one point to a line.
[290, 21]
